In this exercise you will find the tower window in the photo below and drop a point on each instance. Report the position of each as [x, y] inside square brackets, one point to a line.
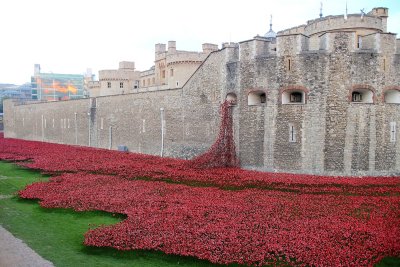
[121, 85]
[293, 96]
[392, 96]
[361, 95]
[393, 131]
[384, 64]
[171, 72]
[108, 84]
[292, 133]
[359, 41]
[289, 63]
[256, 98]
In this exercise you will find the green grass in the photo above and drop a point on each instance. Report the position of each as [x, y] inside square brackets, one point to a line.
[57, 234]
[13, 178]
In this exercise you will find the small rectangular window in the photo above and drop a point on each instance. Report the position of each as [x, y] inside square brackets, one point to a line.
[101, 123]
[163, 74]
[393, 131]
[121, 85]
[172, 72]
[292, 133]
[359, 41]
[108, 84]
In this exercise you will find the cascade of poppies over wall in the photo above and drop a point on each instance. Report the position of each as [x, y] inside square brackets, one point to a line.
[223, 152]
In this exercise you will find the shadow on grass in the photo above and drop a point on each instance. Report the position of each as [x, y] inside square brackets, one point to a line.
[72, 212]
[148, 255]
[389, 262]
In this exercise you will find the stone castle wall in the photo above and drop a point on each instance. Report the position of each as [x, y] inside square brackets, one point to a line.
[132, 120]
[325, 133]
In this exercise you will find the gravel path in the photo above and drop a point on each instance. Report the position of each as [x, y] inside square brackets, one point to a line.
[15, 253]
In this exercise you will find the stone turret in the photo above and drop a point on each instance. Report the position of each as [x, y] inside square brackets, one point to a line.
[160, 48]
[171, 46]
[381, 12]
[208, 48]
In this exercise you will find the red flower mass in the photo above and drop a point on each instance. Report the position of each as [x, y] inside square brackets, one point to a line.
[224, 215]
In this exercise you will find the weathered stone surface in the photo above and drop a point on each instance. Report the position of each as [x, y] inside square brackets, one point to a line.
[325, 133]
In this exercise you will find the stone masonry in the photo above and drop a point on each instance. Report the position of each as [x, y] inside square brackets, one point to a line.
[321, 98]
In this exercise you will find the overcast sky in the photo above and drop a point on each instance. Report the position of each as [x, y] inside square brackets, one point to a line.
[69, 36]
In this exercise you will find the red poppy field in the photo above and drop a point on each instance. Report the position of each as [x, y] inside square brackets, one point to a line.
[224, 215]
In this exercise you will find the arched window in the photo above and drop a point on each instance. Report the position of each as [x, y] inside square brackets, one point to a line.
[232, 98]
[294, 96]
[361, 94]
[256, 98]
[356, 97]
[392, 95]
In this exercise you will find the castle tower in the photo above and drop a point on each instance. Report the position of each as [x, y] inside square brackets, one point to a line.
[381, 12]
[171, 46]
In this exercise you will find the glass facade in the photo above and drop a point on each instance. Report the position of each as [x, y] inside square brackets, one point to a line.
[54, 87]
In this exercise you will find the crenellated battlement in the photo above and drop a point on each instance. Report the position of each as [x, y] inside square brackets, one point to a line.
[120, 74]
[208, 47]
[294, 30]
[149, 72]
[173, 55]
[363, 23]
[291, 44]
[231, 51]
[185, 57]
[257, 47]
[128, 65]
[375, 41]
[352, 22]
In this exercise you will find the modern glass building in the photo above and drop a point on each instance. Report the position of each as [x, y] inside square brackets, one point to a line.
[54, 86]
